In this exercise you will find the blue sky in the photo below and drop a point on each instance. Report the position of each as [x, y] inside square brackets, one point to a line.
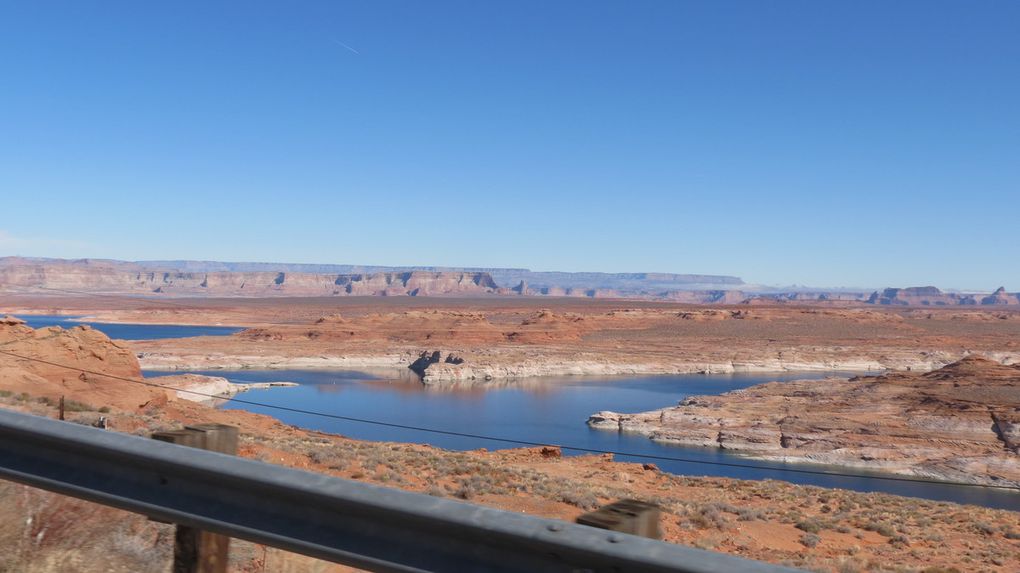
[822, 143]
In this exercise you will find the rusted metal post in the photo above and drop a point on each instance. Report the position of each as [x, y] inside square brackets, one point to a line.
[626, 516]
[196, 550]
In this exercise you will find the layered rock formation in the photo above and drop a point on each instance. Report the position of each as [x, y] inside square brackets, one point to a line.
[1001, 298]
[931, 296]
[203, 278]
[960, 422]
[517, 338]
[120, 277]
[212, 279]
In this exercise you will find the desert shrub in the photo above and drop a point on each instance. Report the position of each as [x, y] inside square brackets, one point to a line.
[75, 406]
[984, 528]
[707, 543]
[810, 540]
[809, 525]
[708, 517]
[750, 514]
[900, 540]
[586, 500]
[880, 528]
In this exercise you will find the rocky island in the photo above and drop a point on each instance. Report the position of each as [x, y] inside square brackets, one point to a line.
[959, 423]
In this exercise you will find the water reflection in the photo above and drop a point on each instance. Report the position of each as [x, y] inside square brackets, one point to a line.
[546, 410]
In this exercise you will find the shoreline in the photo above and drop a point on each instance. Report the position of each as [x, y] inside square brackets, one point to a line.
[438, 374]
[209, 390]
[878, 469]
[77, 318]
[832, 467]
[856, 423]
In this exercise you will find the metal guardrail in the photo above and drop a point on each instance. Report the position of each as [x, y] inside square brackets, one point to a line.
[357, 524]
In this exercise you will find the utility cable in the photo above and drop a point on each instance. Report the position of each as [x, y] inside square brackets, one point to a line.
[509, 440]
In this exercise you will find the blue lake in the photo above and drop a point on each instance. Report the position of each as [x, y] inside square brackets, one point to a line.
[546, 411]
[129, 331]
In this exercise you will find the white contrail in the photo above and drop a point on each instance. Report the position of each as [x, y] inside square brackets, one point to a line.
[346, 46]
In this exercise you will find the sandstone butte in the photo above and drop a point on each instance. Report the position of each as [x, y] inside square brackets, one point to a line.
[820, 529]
[958, 423]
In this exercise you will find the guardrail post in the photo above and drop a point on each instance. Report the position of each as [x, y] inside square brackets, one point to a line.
[196, 550]
[626, 516]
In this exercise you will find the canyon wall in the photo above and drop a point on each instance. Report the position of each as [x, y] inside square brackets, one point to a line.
[212, 279]
[120, 277]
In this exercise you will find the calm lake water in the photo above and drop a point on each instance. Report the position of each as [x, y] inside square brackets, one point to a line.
[547, 411]
[129, 331]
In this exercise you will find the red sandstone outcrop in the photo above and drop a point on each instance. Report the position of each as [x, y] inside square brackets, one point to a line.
[79, 347]
[960, 422]
[103, 372]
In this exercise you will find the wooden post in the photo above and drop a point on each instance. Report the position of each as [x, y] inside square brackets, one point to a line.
[195, 550]
[61, 407]
[626, 516]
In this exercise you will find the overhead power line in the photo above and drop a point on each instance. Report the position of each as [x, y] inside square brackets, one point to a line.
[510, 440]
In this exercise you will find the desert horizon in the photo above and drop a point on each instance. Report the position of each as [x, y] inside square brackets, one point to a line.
[678, 286]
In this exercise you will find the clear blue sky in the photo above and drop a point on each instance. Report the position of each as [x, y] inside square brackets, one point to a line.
[823, 143]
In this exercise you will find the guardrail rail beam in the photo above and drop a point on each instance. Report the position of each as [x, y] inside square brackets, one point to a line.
[357, 524]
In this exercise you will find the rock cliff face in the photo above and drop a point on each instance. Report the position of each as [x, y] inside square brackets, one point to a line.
[210, 279]
[960, 422]
[119, 277]
[203, 278]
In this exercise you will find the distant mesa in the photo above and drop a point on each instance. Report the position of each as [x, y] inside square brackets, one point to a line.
[1001, 297]
[216, 279]
[206, 278]
[932, 296]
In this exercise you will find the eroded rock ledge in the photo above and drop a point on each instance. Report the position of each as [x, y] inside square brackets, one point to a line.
[960, 422]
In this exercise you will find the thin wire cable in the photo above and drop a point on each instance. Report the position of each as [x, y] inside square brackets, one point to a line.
[509, 440]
